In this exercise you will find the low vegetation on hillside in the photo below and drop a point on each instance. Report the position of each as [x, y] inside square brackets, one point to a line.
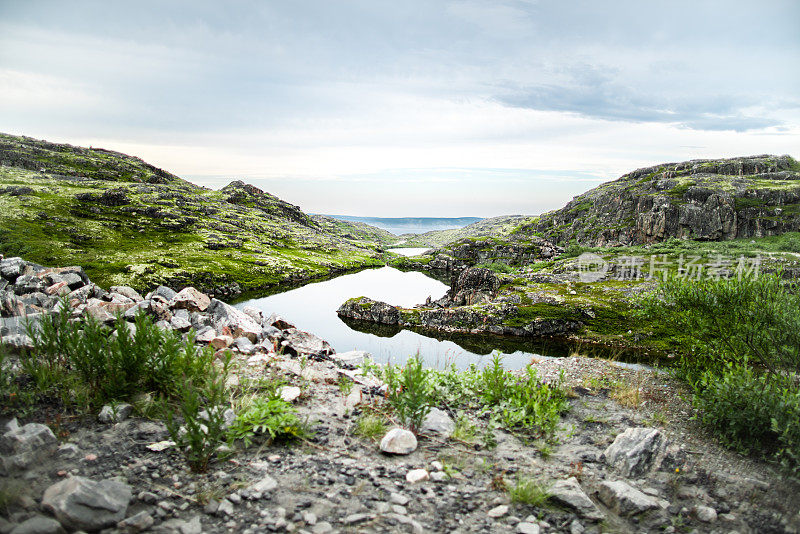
[127, 222]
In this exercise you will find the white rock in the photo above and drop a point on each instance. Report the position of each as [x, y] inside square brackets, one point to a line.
[705, 514]
[417, 475]
[527, 528]
[290, 393]
[397, 498]
[265, 485]
[399, 441]
[498, 511]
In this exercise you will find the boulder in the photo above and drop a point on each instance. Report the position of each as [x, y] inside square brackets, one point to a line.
[570, 494]
[84, 504]
[438, 422]
[637, 450]
[128, 292]
[190, 299]
[624, 499]
[162, 291]
[39, 524]
[473, 286]
[116, 413]
[399, 441]
[11, 268]
[297, 342]
[180, 324]
[240, 324]
[366, 309]
[23, 446]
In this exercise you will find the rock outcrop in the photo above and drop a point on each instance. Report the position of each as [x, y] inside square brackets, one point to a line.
[700, 199]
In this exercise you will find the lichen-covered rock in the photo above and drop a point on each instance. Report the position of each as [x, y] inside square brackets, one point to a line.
[366, 309]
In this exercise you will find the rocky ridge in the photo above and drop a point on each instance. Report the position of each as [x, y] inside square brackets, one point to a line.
[700, 199]
[608, 468]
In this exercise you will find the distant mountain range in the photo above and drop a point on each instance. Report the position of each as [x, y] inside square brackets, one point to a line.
[411, 225]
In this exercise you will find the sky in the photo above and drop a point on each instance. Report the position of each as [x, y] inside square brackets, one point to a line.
[411, 108]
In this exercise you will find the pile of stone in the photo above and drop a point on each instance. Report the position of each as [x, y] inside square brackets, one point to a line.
[28, 291]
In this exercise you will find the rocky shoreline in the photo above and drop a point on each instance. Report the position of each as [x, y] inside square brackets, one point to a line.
[625, 459]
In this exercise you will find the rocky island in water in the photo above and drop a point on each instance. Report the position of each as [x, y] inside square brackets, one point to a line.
[134, 397]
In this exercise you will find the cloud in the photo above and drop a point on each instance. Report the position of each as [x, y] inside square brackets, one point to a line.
[594, 92]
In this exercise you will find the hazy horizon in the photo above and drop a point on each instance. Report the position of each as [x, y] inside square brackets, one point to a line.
[420, 108]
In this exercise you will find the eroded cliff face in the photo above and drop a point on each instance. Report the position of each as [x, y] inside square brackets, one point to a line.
[701, 199]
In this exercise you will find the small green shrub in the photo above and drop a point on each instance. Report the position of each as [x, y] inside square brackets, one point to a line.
[495, 380]
[745, 335]
[271, 417]
[370, 426]
[111, 363]
[529, 491]
[410, 392]
[751, 411]
[200, 436]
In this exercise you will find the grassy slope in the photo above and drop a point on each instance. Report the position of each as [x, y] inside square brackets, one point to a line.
[495, 226]
[164, 230]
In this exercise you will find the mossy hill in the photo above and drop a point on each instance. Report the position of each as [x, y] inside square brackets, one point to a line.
[700, 199]
[130, 223]
[493, 226]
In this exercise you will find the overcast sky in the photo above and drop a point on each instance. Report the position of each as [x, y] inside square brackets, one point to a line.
[411, 107]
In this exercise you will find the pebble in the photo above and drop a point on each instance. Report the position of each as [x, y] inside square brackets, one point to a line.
[498, 511]
[397, 498]
[417, 475]
[527, 528]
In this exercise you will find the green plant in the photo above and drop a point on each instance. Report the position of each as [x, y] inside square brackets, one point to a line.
[746, 336]
[370, 426]
[495, 380]
[118, 363]
[464, 429]
[409, 392]
[529, 491]
[345, 384]
[202, 404]
[497, 267]
[271, 417]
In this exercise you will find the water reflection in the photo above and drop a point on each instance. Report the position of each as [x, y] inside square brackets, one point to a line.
[313, 308]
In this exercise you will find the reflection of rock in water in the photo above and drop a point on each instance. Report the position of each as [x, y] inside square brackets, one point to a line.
[476, 344]
[368, 327]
